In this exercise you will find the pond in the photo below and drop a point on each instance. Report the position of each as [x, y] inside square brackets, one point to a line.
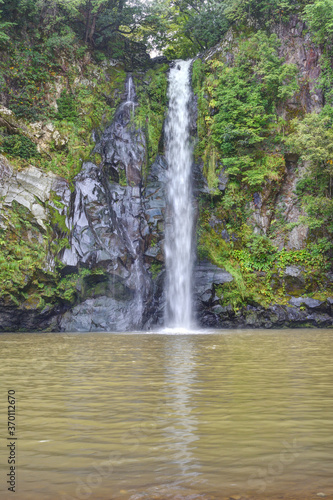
[209, 415]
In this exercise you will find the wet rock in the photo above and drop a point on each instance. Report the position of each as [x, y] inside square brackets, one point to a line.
[294, 281]
[101, 314]
[206, 273]
[118, 227]
[218, 309]
[206, 277]
[207, 295]
[223, 180]
[28, 319]
[274, 316]
[311, 303]
[159, 60]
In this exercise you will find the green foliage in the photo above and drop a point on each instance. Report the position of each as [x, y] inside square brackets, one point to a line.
[4, 26]
[150, 114]
[261, 250]
[155, 269]
[179, 28]
[253, 259]
[244, 98]
[19, 146]
[319, 16]
[238, 127]
[29, 71]
[66, 106]
[122, 177]
[22, 251]
[64, 41]
[264, 12]
[67, 289]
[63, 25]
[312, 139]
[89, 105]
[238, 121]
[58, 223]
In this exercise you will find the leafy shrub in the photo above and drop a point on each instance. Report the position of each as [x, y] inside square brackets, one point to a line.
[66, 107]
[19, 146]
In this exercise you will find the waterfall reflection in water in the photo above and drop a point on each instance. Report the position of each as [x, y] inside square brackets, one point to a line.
[144, 416]
[180, 381]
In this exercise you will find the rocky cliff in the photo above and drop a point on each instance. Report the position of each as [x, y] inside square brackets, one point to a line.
[84, 251]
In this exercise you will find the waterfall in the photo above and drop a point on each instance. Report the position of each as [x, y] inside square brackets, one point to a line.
[179, 223]
[131, 96]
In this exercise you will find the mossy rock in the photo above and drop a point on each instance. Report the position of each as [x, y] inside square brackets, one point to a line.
[98, 285]
[33, 303]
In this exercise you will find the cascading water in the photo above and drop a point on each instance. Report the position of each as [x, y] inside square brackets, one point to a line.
[179, 224]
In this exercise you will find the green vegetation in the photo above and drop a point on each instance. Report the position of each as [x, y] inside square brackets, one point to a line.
[23, 262]
[66, 107]
[87, 101]
[258, 267]
[242, 136]
[155, 269]
[150, 114]
[312, 139]
[19, 146]
[240, 126]
[126, 28]
[23, 251]
[28, 72]
[319, 17]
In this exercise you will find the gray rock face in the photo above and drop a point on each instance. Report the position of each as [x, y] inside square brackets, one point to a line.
[122, 146]
[20, 319]
[99, 315]
[303, 313]
[207, 277]
[29, 185]
[293, 271]
[117, 226]
[310, 303]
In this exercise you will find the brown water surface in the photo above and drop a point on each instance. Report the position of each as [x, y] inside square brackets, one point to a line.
[243, 415]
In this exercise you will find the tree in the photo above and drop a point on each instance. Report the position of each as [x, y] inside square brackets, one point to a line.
[185, 27]
[4, 26]
[319, 16]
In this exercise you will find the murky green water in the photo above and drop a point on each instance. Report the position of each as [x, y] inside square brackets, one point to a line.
[223, 415]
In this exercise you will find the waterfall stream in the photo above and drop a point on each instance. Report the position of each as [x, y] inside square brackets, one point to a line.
[179, 223]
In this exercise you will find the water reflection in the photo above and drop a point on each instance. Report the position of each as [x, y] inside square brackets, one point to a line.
[180, 384]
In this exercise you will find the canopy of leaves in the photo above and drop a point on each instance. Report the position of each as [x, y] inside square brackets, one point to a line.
[178, 28]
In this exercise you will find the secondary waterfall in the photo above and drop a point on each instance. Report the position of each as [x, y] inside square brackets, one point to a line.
[179, 225]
